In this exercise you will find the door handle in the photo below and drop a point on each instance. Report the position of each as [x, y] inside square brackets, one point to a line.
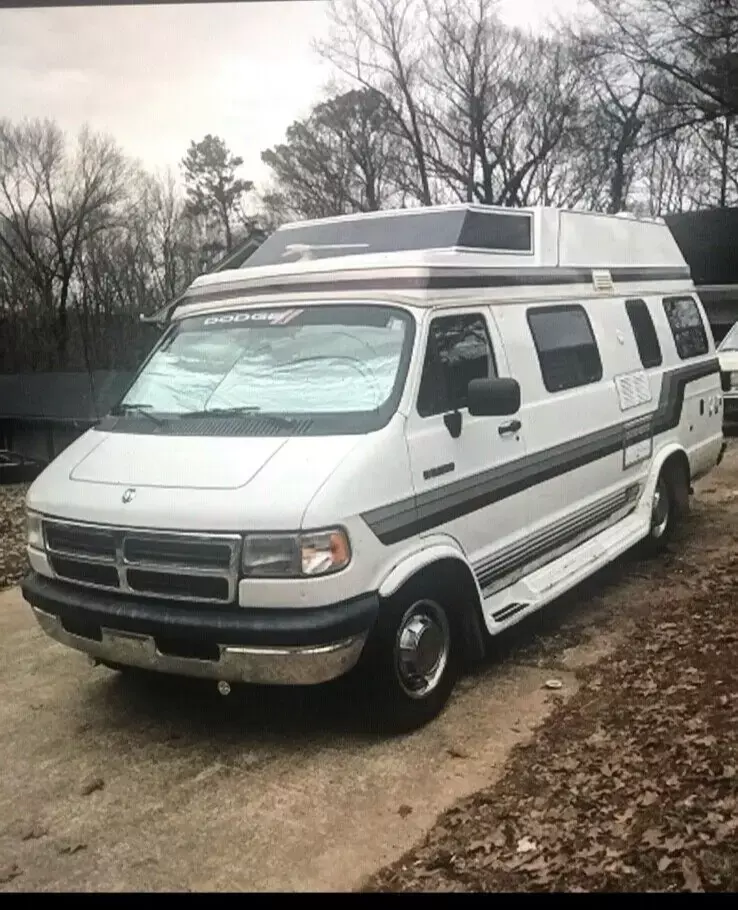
[507, 429]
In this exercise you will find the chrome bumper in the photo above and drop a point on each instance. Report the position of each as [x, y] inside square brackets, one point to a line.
[269, 666]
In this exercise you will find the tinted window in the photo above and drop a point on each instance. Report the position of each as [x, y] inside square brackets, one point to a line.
[686, 326]
[419, 229]
[458, 351]
[645, 333]
[567, 350]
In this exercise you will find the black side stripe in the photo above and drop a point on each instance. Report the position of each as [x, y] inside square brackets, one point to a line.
[502, 278]
[416, 514]
[508, 611]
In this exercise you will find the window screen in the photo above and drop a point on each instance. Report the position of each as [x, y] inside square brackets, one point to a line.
[686, 326]
[458, 351]
[566, 346]
[645, 333]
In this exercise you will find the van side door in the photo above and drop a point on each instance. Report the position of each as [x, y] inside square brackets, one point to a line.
[565, 355]
[461, 463]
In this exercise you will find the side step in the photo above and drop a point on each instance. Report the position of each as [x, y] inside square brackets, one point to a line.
[506, 607]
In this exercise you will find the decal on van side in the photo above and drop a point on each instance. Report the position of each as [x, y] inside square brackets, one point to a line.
[417, 514]
[565, 533]
[532, 277]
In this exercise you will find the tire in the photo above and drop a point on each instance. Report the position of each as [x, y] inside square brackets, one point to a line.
[670, 501]
[410, 663]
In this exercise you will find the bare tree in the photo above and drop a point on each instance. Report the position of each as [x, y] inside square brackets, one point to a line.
[51, 202]
[693, 43]
[380, 45]
[341, 159]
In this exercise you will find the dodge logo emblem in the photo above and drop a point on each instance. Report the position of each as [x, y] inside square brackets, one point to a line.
[128, 495]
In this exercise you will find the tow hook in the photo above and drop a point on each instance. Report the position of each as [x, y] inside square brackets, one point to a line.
[224, 688]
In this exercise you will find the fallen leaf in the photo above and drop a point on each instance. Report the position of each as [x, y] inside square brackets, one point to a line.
[526, 845]
[692, 880]
[404, 811]
[71, 847]
[34, 831]
[9, 872]
[652, 837]
[91, 785]
[457, 753]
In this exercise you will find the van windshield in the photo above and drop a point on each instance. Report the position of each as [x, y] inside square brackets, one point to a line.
[730, 342]
[342, 365]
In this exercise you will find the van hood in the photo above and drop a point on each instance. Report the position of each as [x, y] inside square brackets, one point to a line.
[188, 483]
[185, 463]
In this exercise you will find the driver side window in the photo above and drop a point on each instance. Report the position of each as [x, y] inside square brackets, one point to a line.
[458, 351]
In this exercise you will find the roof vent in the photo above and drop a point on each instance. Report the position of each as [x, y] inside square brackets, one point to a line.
[602, 281]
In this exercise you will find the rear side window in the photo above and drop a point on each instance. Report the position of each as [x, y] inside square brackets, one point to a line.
[566, 346]
[458, 351]
[645, 333]
[687, 327]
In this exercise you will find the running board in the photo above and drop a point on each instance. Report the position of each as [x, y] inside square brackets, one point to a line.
[506, 607]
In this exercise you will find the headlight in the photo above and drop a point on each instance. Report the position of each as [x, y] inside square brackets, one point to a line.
[34, 531]
[295, 555]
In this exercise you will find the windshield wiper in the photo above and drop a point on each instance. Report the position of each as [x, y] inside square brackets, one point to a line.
[243, 410]
[136, 408]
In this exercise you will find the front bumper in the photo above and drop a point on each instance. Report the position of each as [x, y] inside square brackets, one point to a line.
[289, 646]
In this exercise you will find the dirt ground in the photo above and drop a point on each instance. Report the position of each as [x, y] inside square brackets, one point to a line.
[632, 784]
[623, 778]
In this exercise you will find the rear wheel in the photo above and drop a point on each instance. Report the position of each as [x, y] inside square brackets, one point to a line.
[670, 503]
[410, 664]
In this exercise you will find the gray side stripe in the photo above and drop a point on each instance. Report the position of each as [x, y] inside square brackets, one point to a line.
[457, 280]
[531, 548]
[416, 514]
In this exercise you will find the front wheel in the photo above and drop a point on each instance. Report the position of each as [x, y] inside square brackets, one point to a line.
[410, 664]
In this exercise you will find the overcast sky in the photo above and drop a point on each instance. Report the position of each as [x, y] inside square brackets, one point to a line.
[155, 77]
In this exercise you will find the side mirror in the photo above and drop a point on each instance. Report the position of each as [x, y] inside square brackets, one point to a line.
[498, 397]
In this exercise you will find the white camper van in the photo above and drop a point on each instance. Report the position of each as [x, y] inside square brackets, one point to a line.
[389, 437]
[728, 358]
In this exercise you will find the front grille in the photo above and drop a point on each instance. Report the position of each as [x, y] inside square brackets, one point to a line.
[178, 552]
[196, 567]
[94, 573]
[64, 539]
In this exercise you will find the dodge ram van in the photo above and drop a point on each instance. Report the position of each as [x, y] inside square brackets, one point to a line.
[728, 357]
[384, 439]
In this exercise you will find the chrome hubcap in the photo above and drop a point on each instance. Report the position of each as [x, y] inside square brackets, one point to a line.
[660, 510]
[422, 648]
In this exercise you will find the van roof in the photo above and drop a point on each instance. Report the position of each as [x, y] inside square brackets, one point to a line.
[425, 252]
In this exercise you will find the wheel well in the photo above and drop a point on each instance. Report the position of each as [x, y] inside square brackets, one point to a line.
[452, 578]
[675, 469]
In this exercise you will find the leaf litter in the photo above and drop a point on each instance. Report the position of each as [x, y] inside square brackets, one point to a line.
[630, 785]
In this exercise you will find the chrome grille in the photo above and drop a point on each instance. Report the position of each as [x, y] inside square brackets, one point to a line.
[181, 566]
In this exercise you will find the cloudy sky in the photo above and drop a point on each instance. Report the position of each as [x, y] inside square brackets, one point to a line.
[156, 77]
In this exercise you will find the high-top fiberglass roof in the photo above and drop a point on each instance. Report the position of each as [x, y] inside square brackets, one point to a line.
[393, 232]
